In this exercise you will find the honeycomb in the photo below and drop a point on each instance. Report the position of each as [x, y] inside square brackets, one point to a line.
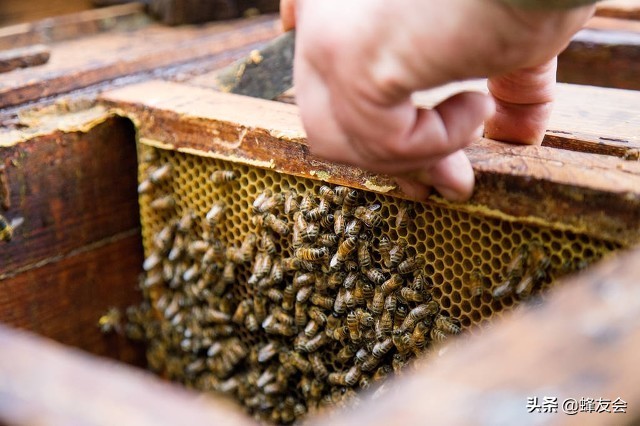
[467, 268]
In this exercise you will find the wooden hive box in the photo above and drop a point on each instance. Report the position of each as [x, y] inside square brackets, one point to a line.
[70, 170]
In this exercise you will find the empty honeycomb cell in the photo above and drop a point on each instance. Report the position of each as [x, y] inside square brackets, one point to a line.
[455, 245]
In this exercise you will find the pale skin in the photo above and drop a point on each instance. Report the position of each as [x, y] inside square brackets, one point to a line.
[358, 62]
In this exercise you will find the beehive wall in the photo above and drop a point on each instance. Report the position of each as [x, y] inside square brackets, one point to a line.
[467, 260]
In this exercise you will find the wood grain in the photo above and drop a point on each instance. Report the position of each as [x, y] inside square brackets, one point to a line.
[23, 57]
[597, 195]
[627, 9]
[87, 61]
[45, 383]
[72, 189]
[63, 297]
[14, 11]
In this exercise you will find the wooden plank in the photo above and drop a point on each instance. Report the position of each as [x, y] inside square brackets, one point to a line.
[55, 29]
[602, 58]
[72, 189]
[626, 9]
[23, 57]
[44, 383]
[577, 123]
[86, 61]
[64, 296]
[24, 11]
[581, 343]
[597, 195]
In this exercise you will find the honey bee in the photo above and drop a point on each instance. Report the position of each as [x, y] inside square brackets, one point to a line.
[369, 215]
[311, 254]
[346, 353]
[317, 315]
[378, 301]
[354, 326]
[299, 362]
[111, 321]
[339, 223]
[396, 254]
[382, 348]
[277, 273]
[476, 283]
[222, 176]
[316, 213]
[447, 325]
[371, 363]
[244, 307]
[274, 295]
[341, 333]
[419, 336]
[273, 389]
[398, 362]
[269, 203]
[214, 215]
[512, 273]
[364, 256]
[350, 196]
[364, 318]
[217, 317]
[267, 376]
[145, 187]
[311, 328]
[340, 305]
[353, 228]
[316, 342]
[326, 221]
[318, 367]
[192, 273]
[382, 373]
[300, 315]
[260, 307]
[404, 215]
[304, 294]
[267, 352]
[152, 261]
[251, 323]
[325, 302]
[288, 297]
[437, 335]
[327, 240]
[162, 239]
[327, 193]
[410, 265]
[402, 342]
[310, 233]
[376, 276]
[291, 203]
[164, 202]
[277, 225]
[537, 265]
[353, 375]
[411, 295]
[392, 284]
[418, 313]
[228, 386]
[290, 264]
[384, 325]
[503, 289]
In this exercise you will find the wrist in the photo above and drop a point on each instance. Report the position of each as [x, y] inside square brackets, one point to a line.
[548, 4]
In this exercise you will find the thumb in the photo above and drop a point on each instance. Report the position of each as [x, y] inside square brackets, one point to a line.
[288, 14]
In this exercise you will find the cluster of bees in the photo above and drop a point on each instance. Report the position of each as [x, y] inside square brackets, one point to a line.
[314, 304]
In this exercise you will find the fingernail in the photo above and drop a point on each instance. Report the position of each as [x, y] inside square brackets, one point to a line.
[450, 194]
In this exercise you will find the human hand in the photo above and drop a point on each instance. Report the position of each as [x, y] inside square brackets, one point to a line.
[358, 62]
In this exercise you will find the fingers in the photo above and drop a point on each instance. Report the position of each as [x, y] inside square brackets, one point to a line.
[288, 14]
[524, 101]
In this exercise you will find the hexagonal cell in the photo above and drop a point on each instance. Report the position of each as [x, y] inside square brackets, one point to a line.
[454, 244]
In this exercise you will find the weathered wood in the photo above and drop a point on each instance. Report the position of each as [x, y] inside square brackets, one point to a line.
[63, 297]
[597, 195]
[602, 58]
[44, 383]
[72, 189]
[627, 9]
[25, 11]
[581, 343]
[77, 194]
[608, 126]
[86, 61]
[59, 28]
[23, 57]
